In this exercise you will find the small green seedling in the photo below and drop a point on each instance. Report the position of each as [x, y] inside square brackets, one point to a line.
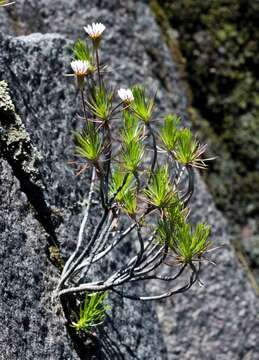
[92, 312]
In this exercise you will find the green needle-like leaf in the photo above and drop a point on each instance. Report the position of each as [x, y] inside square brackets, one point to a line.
[142, 105]
[127, 196]
[189, 244]
[100, 102]
[132, 130]
[92, 313]
[188, 151]
[81, 51]
[117, 181]
[169, 132]
[130, 201]
[89, 143]
[175, 216]
[132, 155]
[159, 192]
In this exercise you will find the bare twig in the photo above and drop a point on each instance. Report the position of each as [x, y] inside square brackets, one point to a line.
[82, 228]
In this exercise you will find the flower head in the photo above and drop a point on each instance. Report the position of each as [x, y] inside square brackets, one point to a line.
[126, 95]
[80, 67]
[95, 30]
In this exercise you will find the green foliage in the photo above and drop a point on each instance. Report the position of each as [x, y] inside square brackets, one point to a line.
[100, 102]
[132, 155]
[92, 313]
[81, 51]
[89, 143]
[188, 244]
[130, 201]
[188, 150]
[169, 132]
[132, 130]
[127, 196]
[142, 105]
[175, 217]
[159, 192]
[117, 181]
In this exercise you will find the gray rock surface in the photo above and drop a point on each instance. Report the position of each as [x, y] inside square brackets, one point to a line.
[251, 246]
[219, 321]
[28, 285]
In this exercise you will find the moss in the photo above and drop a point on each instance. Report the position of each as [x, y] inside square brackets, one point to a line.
[55, 257]
[219, 41]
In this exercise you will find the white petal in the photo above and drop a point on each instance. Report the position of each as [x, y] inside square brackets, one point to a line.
[121, 93]
[126, 95]
[88, 29]
[80, 67]
[95, 30]
[130, 96]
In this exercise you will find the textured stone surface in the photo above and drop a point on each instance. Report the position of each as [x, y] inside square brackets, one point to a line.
[218, 322]
[35, 320]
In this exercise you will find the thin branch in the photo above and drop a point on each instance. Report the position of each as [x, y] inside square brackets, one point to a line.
[125, 269]
[82, 227]
[8, 4]
[83, 103]
[105, 252]
[179, 176]
[151, 260]
[87, 249]
[160, 260]
[193, 279]
[154, 160]
[187, 196]
[102, 238]
[108, 155]
[159, 277]
[98, 67]
[141, 250]
[119, 189]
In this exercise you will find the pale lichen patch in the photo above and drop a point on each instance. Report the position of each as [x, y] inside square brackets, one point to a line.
[5, 98]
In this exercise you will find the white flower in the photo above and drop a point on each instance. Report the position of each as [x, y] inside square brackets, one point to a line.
[95, 30]
[126, 95]
[80, 67]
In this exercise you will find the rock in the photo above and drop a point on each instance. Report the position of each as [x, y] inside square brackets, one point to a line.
[28, 286]
[251, 247]
[205, 323]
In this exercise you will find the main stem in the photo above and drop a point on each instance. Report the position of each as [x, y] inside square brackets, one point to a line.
[98, 67]
[83, 102]
[154, 160]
